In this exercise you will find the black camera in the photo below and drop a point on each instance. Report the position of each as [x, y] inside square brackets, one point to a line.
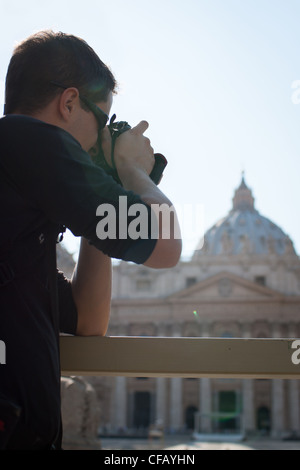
[117, 128]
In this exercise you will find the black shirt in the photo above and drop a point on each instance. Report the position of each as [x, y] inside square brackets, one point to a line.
[45, 177]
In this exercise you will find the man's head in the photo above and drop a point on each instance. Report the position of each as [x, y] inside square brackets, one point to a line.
[48, 57]
[58, 78]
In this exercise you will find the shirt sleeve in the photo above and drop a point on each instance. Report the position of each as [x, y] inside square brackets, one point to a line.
[67, 308]
[56, 175]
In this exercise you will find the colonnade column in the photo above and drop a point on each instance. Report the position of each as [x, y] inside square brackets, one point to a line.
[277, 398]
[248, 410]
[119, 401]
[161, 391]
[293, 397]
[205, 399]
[176, 394]
[119, 408]
[205, 406]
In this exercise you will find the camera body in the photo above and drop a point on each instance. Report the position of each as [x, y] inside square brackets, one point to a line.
[117, 128]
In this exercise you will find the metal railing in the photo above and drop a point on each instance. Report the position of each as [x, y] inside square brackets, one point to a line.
[180, 357]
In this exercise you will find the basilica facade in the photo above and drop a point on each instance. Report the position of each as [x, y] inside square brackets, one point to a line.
[243, 281]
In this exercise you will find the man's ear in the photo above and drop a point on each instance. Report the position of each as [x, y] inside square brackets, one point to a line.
[68, 102]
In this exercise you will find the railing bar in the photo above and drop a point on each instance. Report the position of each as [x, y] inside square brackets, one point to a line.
[179, 357]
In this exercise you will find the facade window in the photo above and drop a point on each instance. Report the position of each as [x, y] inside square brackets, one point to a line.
[143, 285]
[260, 280]
[190, 281]
[227, 334]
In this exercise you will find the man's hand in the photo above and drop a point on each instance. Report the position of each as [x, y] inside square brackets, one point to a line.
[132, 149]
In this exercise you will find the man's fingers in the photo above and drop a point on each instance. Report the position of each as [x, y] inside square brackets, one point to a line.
[140, 128]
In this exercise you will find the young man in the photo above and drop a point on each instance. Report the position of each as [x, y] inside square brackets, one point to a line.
[48, 181]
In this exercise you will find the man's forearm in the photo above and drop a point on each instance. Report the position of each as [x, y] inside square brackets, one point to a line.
[91, 287]
[168, 249]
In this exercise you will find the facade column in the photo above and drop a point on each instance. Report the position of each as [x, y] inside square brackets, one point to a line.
[119, 402]
[160, 408]
[293, 403]
[293, 395]
[205, 406]
[277, 397]
[248, 415]
[176, 393]
[277, 408]
[119, 409]
[205, 399]
[176, 404]
[248, 409]
[161, 390]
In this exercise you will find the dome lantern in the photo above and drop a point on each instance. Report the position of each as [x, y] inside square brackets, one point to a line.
[243, 198]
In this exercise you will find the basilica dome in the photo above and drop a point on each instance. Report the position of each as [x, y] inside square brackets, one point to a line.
[244, 231]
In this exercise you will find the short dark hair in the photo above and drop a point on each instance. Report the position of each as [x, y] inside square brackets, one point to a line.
[47, 56]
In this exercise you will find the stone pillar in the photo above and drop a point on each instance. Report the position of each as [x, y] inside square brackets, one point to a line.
[248, 410]
[293, 404]
[176, 404]
[205, 406]
[160, 408]
[80, 414]
[119, 404]
[248, 413]
[277, 397]
[293, 396]
[176, 393]
[205, 399]
[277, 408]
[119, 401]
[161, 390]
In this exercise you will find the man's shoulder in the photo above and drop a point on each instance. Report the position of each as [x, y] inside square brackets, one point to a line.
[15, 120]
[22, 127]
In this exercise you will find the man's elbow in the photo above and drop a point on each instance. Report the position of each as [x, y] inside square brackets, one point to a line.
[90, 331]
[95, 323]
[166, 254]
[172, 254]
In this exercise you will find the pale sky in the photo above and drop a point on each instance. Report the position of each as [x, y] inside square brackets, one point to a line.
[214, 80]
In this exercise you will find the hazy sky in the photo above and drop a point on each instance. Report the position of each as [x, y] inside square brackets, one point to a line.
[214, 80]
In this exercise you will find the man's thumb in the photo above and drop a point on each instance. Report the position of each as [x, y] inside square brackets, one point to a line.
[140, 128]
